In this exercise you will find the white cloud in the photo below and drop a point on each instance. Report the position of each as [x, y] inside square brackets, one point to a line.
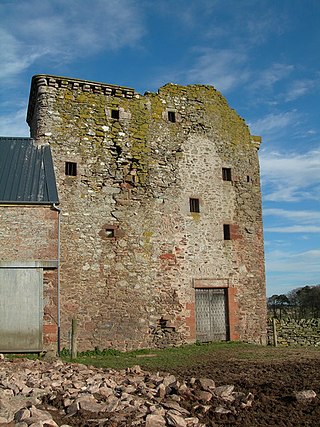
[13, 57]
[294, 229]
[302, 262]
[272, 123]
[287, 271]
[290, 176]
[304, 217]
[14, 124]
[224, 69]
[62, 31]
[268, 77]
[300, 88]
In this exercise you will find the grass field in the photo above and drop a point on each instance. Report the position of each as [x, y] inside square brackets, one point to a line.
[189, 355]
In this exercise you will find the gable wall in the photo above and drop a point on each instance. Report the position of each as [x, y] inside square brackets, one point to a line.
[136, 175]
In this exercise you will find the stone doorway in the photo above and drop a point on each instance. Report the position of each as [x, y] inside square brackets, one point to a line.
[211, 314]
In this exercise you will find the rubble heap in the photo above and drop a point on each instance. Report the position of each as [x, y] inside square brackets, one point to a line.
[37, 393]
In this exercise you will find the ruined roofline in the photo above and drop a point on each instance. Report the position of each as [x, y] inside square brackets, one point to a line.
[256, 141]
[88, 86]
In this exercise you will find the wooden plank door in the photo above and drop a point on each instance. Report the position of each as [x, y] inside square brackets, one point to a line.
[211, 315]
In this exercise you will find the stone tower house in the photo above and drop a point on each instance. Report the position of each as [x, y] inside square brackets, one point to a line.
[161, 227]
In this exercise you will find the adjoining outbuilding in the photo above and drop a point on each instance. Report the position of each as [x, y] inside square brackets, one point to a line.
[28, 246]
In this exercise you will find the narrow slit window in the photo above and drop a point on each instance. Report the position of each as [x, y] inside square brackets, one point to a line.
[194, 205]
[115, 114]
[71, 169]
[226, 232]
[248, 178]
[226, 174]
[109, 233]
[172, 116]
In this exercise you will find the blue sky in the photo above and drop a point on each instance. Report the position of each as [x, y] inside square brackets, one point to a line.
[263, 55]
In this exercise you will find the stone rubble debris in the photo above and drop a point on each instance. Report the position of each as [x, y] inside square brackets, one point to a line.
[35, 393]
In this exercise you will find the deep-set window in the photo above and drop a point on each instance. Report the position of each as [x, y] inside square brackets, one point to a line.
[109, 233]
[194, 205]
[115, 114]
[226, 174]
[226, 232]
[71, 169]
[172, 116]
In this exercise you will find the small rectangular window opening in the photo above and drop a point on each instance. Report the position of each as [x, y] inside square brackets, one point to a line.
[109, 233]
[248, 178]
[226, 232]
[71, 169]
[115, 114]
[194, 205]
[226, 174]
[172, 116]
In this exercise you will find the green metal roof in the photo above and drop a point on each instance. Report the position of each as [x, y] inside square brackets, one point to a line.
[26, 172]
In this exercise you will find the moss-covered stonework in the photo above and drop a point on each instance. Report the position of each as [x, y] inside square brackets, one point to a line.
[135, 176]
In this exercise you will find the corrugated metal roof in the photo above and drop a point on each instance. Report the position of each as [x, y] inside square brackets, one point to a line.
[26, 172]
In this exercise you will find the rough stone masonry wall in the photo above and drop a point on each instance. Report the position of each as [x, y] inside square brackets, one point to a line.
[304, 332]
[29, 234]
[135, 176]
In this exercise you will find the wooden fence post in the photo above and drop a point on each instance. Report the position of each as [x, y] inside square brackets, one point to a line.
[274, 331]
[74, 339]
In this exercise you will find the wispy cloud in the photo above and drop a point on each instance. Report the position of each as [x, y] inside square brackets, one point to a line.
[290, 176]
[62, 31]
[267, 78]
[14, 124]
[294, 229]
[273, 123]
[224, 69]
[287, 270]
[300, 88]
[301, 262]
[305, 217]
[13, 56]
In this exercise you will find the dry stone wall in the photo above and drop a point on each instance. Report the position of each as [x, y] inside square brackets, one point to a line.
[132, 253]
[304, 332]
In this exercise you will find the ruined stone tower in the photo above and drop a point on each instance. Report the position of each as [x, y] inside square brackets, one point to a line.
[161, 227]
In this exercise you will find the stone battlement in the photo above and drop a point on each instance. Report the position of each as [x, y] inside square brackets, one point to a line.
[57, 82]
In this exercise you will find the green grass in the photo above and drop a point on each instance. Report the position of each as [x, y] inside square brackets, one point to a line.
[166, 359]
[188, 356]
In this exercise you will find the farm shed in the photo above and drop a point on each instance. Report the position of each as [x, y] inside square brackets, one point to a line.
[28, 247]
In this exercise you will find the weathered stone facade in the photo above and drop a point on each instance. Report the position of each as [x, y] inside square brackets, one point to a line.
[132, 253]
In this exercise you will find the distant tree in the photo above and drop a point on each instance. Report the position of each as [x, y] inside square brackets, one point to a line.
[305, 302]
[278, 305]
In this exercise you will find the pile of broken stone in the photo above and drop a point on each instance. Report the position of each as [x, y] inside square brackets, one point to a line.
[38, 393]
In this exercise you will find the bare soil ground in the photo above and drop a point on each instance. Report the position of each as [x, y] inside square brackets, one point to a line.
[271, 375]
[272, 378]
